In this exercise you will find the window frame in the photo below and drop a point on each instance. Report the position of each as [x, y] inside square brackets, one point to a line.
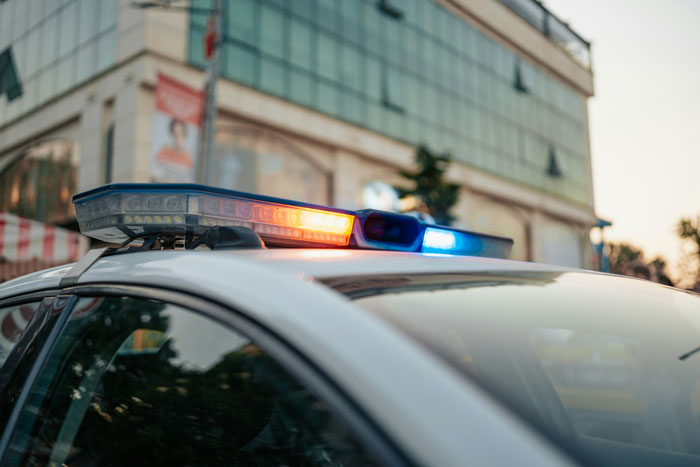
[357, 421]
[33, 297]
[60, 305]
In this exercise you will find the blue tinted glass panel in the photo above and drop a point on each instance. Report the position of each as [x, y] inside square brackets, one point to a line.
[89, 20]
[302, 87]
[373, 23]
[49, 41]
[301, 44]
[86, 61]
[351, 69]
[273, 77]
[200, 19]
[373, 83]
[241, 20]
[36, 11]
[352, 107]
[272, 31]
[326, 11]
[303, 8]
[33, 53]
[196, 50]
[106, 50]
[428, 77]
[350, 24]
[395, 94]
[327, 99]
[240, 63]
[65, 73]
[47, 84]
[108, 14]
[326, 56]
[68, 31]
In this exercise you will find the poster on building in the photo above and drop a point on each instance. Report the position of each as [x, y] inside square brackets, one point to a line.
[175, 137]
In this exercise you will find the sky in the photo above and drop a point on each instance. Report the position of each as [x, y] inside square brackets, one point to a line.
[645, 116]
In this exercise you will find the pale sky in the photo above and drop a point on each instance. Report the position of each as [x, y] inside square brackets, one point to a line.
[645, 115]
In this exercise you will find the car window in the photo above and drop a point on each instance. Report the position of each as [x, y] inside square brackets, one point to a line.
[14, 320]
[607, 367]
[142, 382]
[26, 348]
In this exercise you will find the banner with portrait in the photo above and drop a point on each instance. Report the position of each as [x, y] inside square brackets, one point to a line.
[176, 124]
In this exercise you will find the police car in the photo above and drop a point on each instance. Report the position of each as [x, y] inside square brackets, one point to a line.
[220, 328]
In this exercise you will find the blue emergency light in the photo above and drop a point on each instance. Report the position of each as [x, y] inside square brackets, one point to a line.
[118, 212]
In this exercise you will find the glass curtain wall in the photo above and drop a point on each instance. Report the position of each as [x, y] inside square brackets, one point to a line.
[56, 45]
[414, 71]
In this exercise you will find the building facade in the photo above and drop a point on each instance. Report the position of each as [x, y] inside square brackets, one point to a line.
[317, 99]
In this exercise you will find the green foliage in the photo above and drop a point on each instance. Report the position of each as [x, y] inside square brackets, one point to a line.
[622, 255]
[659, 265]
[690, 230]
[430, 186]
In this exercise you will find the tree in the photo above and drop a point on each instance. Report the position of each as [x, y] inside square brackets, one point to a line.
[429, 185]
[622, 256]
[658, 266]
[629, 260]
[689, 232]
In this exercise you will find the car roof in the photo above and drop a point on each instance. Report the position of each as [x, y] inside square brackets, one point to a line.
[300, 262]
[322, 263]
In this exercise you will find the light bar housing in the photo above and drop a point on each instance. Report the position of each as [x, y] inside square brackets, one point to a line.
[119, 212]
[114, 213]
[444, 240]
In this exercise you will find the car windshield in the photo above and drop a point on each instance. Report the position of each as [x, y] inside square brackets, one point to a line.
[603, 365]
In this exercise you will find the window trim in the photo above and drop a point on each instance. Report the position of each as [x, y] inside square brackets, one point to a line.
[39, 298]
[55, 332]
[360, 425]
[28, 297]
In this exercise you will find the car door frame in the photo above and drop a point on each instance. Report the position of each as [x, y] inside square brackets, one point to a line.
[61, 310]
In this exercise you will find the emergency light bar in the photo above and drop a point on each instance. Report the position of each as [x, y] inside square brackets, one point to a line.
[118, 212]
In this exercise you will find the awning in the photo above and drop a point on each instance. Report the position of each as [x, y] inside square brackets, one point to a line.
[27, 246]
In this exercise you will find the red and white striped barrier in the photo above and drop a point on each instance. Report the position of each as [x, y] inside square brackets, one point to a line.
[15, 319]
[27, 246]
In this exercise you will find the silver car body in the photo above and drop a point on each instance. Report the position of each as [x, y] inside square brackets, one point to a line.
[434, 415]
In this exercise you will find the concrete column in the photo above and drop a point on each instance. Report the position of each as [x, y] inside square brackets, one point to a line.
[536, 220]
[586, 246]
[90, 170]
[346, 185]
[131, 30]
[133, 115]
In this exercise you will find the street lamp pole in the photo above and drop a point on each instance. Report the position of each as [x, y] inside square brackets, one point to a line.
[206, 143]
[214, 27]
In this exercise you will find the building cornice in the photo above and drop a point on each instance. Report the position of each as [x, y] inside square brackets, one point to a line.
[500, 23]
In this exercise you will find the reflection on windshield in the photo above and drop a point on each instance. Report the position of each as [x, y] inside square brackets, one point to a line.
[590, 360]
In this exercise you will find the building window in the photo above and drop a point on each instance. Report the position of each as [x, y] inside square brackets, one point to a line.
[518, 81]
[40, 182]
[553, 169]
[257, 161]
[391, 8]
[109, 152]
[9, 79]
[393, 90]
[428, 76]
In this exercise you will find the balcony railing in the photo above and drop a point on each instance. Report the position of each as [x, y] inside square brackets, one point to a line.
[555, 29]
